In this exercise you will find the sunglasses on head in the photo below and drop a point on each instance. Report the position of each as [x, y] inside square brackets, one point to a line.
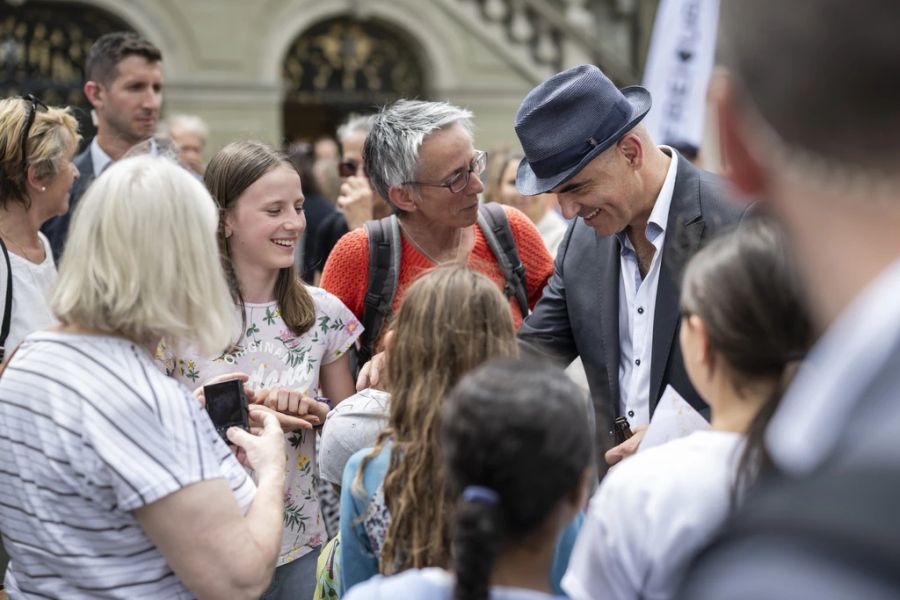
[33, 104]
[349, 167]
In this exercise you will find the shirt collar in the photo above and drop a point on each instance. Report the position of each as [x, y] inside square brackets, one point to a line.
[808, 424]
[99, 158]
[659, 216]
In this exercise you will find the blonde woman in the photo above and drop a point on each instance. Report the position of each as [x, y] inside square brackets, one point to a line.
[113, 480]
[37, 144]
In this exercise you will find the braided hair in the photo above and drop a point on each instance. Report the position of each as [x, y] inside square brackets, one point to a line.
[516, 442]
[745, 288]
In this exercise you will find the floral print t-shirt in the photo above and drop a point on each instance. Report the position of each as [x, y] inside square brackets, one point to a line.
[273, 356]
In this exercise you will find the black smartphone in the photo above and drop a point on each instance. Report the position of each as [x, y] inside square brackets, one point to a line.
[226, 404]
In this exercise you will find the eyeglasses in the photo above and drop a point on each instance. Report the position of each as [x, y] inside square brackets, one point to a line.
[35, 102]
[459, 180]
[349, 168]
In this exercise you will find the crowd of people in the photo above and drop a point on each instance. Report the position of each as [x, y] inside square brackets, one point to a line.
[403, 426]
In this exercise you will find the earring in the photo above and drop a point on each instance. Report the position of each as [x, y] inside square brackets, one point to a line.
[227, 234]
[43, 188]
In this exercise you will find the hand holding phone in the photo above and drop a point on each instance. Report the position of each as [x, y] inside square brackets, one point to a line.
[263, 451]
[226, 404]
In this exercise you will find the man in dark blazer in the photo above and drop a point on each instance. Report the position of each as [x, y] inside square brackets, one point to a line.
[640, 212]
[124, 85]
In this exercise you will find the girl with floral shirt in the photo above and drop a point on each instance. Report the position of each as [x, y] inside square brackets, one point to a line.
[290, 340]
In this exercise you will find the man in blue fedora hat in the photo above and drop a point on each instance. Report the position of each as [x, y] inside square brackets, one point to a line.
[640, 212]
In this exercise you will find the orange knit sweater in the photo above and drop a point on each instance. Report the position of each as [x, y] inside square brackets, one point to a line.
[346, 273]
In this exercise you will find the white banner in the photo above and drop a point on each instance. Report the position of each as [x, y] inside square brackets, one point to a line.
[679, 64]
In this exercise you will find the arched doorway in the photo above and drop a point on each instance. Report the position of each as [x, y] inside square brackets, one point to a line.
[344, 65]
[43, 46]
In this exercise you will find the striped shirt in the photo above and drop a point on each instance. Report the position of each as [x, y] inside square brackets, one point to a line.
[90, 430]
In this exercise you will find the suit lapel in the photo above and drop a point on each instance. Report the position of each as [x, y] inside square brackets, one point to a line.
[85, 165]
[609, 316]
[684, 230]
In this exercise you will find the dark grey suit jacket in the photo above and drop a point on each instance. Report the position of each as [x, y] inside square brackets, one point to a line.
[578, 314]
[57, 228]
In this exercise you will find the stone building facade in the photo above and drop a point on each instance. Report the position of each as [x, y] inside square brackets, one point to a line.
[279, 70]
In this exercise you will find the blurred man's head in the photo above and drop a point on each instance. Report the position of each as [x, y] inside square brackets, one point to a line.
[124, 85]
[352, 136]
[325, 148]
[818, 76]
[809, 117]
[189, 134]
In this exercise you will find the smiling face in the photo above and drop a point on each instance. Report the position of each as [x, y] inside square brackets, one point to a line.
[265, 222]
[606, 192]
[128, 107]
[443, 155]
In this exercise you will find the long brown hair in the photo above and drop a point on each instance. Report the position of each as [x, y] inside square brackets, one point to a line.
[746, 289]
[451, 321]
[230, 172]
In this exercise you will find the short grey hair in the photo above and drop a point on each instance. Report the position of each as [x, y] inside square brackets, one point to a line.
[355, 124]
[141, 260]
[391, 153]
[191, 123]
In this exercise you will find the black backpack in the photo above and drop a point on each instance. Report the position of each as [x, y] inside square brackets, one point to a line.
[384, 268]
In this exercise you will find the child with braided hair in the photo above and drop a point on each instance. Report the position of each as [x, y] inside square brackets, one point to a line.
[516, 454]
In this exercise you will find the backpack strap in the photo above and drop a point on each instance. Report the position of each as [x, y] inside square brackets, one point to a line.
[7, 305]
[384, 271]
[495, 227]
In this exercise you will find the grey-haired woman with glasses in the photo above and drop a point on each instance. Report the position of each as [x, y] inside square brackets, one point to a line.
[37, 144]
[421, 159]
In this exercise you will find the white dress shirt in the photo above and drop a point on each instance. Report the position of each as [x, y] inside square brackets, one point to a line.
[637, 307]
[650, 515]
[99, 158]
[150, 146]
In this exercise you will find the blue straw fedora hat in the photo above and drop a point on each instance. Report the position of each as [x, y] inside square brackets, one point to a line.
[568, 120]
